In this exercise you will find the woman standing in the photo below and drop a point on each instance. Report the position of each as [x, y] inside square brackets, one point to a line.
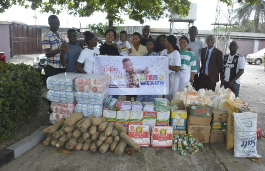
[188, 66]
[109, 47]
[174, 61]
[160, 43]
[87, 56]
[137, 48]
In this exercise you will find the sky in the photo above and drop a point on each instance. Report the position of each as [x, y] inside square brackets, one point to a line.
[204, 18]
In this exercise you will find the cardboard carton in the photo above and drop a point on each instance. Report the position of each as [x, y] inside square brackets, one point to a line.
[136, 122]
[193, 120]
[140, 134]
[162, 123]
[178, 116]
[217, 136]
[161, 136]
[220, 126]
[110, 115]
[163, 116]
[219, 115]
[200, 132]
[149, 118]
[124, 123]
[200, 111]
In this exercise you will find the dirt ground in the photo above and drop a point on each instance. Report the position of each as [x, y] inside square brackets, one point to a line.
[41, 118]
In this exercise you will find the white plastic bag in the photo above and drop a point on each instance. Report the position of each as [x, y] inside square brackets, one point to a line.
[245, 134]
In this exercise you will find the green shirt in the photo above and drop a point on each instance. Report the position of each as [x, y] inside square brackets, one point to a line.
[188, 61]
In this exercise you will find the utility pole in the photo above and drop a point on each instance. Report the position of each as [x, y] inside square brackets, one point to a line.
[35, 17]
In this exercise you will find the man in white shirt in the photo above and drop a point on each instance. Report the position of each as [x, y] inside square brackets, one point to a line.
[195, 46]
[234, 65]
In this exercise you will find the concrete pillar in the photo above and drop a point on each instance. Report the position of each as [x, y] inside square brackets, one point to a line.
[256, 46]
[171, 28]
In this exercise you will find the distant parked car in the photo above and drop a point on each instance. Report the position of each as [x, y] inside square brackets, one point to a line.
[256, 58]
[38, 65]
[2, 57]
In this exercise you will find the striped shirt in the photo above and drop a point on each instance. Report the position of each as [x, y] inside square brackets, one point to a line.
[188, 61]
[51, 41]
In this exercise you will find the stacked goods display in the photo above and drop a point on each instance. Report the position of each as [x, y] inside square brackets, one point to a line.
[199, 122]
[140, 134]
[178, 115]
[161, 136]
[61, 110]
[94, 134]
[219, 125]
[162, 107]
[91, 89]
[186, 143]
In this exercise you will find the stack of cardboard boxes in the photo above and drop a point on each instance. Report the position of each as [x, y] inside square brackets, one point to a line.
[219, 126]
[199, 122]
[178, 118]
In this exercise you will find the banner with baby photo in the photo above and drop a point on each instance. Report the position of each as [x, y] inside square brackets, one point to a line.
[134, 75]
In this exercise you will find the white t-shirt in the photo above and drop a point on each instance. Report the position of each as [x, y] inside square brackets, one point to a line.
[123, 47]
[240, 65]
[87, 56]
[173, 58]
[196, 47]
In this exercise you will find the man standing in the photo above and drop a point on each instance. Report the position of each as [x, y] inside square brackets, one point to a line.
[146, 35]
[234, 65]
[195, 46]
[69, 58]
[212, 65]
[53, 45]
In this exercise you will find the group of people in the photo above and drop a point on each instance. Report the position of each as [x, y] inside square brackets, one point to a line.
[202, 67]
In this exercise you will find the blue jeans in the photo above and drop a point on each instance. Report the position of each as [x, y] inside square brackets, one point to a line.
[235, 89]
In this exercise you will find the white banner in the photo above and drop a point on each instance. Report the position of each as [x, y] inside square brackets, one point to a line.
[134, 75]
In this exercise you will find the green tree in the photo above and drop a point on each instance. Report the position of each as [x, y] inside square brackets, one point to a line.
[245, 11]
[138, 10]
[100, 28]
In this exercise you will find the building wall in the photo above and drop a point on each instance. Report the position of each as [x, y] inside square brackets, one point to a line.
[261, 44]
[245, 47]
[5, 40]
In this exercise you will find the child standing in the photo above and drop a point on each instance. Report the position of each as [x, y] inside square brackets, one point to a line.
[151, 52]
[174, 61]
[87, 56]
[123, 45]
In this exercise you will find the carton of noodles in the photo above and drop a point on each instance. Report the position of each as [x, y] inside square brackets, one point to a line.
[140, 134]
[161, 136]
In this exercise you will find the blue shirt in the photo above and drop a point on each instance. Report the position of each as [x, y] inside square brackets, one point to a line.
[71, 57]
[209, 56]
[153, 54]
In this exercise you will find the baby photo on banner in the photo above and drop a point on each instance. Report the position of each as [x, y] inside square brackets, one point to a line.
[134, 75]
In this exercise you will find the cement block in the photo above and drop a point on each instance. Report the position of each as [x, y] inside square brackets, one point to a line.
[28, 142]
[6, 156]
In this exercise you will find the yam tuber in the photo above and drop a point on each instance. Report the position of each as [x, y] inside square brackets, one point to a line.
[63, 138]
[103, 148]
[120, 127]
[76, 133]
[120, 147]
[81, 140]
[102, 126]
[129, 141]
[95, 136]
[92, 130]
[83, 130]
[69, 128]
[61, 131]
[93, 146]
[73, 118]
[88, 140]
[53, 142]
[72, 142]
[99, 143]
[109, 129]
[97, 121]
[109, 140]
[102, 136]
[86, 135]
[117, 138]
[86, 124]
[70, 135]
[114, 132]
[56, 134]
[48, 139]
[55, 127]
[85, 146]
[67, 145]
[59, 144]
[78, 146]
[113, 145]
[79, 122]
